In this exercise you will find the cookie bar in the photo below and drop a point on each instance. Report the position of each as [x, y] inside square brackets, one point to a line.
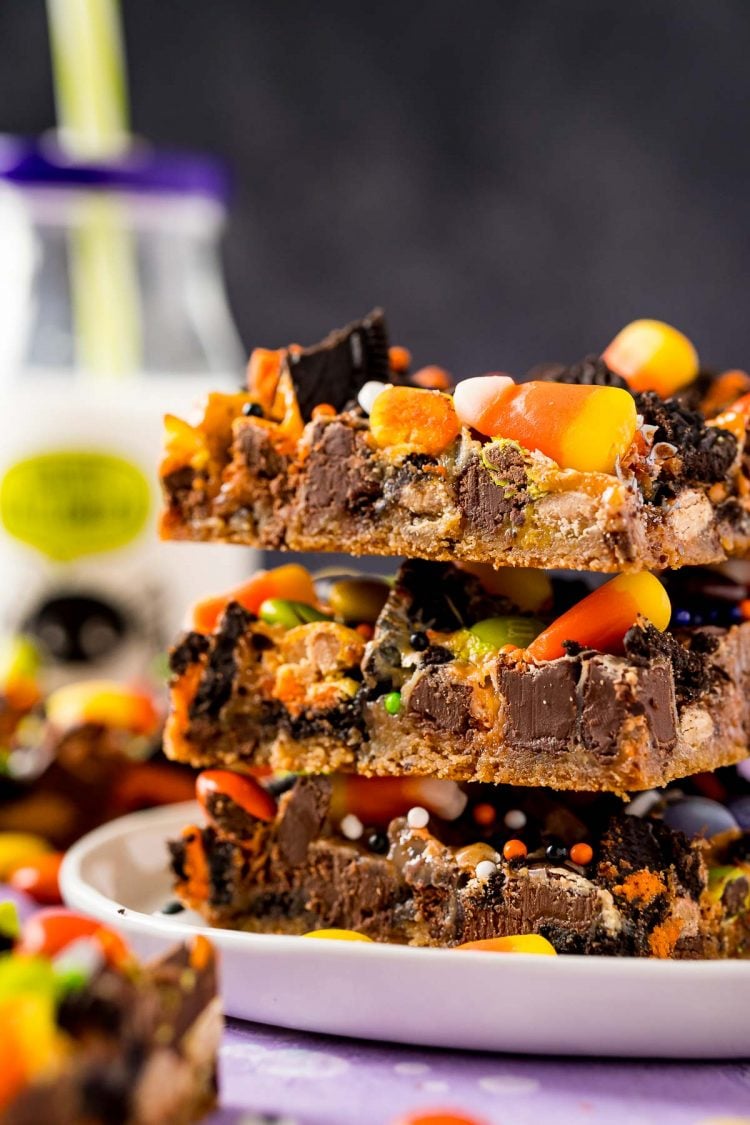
[581, 872]
[430, 685]
[98, 1038]
[332, 446]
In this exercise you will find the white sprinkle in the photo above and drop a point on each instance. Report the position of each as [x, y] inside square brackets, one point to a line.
[508, 1084]
[368, 393]
[352, 827]
[411, 1068]
[485, 869]
[514, 819]
[418, 817]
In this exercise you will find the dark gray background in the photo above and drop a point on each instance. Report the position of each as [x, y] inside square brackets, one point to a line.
[512, 180]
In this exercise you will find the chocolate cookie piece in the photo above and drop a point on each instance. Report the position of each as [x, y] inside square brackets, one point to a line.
[335, 370]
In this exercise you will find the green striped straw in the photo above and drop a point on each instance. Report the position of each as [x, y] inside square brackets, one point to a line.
[92, 110]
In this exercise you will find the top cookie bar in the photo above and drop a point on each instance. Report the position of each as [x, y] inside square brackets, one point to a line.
[624, 462]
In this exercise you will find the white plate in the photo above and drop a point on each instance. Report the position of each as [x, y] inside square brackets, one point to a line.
[430, 997]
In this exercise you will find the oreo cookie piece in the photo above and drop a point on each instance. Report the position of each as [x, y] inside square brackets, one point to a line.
[335, 370]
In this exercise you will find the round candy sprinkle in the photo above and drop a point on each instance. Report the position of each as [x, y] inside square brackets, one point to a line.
[556, 852]
[378, 842]
[582, 854]
[699, 816]
[485, 870]
[419, 641]
[252, 410]
[392, 702]
[514, 819]
[417, 817]
[515, 849]
[351, 827]
[484, 814]
[338, 935]
[399, 358]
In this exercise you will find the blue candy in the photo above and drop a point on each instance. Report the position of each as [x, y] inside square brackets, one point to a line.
[699, 816]
[740, 810]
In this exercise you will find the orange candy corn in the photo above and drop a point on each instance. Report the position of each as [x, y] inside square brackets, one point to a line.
[103, 702]
[652, 356]
[514, 943]
[601, 620]
[411, 416]
[583, 428]
[291, 582]
[244, 791]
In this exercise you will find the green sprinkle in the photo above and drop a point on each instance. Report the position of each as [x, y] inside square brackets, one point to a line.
[392, 702]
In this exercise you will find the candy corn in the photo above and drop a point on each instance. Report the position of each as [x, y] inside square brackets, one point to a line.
[652, 356]
[601, 620]
[514, 943]
[291, 582]
[584, 428]
[103, 702]
[411, 416]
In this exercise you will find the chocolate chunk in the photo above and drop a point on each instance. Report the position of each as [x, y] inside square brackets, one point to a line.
[335, 370]
[215, 688]
[486, 503]
[444, 704]
[705, 453]
[188, 651]
[179, 481]
[592, 371]
[340, 476]
[259, 452]
[302, 813]
[607, 703]
[541, 702]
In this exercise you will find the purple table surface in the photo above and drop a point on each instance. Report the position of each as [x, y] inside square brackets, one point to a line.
[300, 1079]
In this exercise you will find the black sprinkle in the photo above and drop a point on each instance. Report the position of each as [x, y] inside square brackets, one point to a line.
[252, 410]
[419, 641]
[378, 842]
[556, 852]
[171, 907]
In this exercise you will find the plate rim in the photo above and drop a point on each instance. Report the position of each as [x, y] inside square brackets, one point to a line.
[79, 894]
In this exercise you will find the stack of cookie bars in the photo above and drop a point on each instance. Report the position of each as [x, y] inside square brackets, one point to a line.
[479, 747]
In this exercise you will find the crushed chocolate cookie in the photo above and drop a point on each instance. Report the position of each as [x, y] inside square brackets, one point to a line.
[694, 675]
[188, 651]
[436, 654]
[336, 369]
[705, 454]
[215, 688]
[592, 371]
[633, 844]
[344, 721]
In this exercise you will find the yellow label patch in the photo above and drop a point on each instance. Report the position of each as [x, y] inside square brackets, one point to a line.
[73, 503]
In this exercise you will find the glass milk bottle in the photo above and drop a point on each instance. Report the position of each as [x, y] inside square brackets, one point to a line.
[112, 312]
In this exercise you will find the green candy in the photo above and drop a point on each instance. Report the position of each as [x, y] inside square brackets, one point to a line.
[10, 926]
[280, 611]
[392, 702]
[495, 632]
[358, 599]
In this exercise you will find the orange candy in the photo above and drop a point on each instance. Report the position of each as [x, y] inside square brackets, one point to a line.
[399, 359]
[244, 791]
[583, 428]
[50, 930]
[514, 943]
[410, 416]
[291, 582]
[601, 620]
[514, 849]
[652, 356]
[39, 878]
[432, 378]
[438, 1117]
[582, 854]
[104, 702]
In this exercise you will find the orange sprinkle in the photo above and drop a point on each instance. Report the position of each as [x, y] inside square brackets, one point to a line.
[515, 849]
[201, 953]
[642, 886]
[432, 378]
[745, 608]
[484, 814]
[323, 410]
[665, 936]
[399, 359]
[582, 854]
[365, 631]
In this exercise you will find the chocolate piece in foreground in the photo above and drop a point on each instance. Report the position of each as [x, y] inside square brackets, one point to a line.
[642, 889]
[315, 698]
[678, 497]
[136, 1046]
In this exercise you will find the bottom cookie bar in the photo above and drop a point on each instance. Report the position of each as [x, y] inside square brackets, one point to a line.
[460, 866]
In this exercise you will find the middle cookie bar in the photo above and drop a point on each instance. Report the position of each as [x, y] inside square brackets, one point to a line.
[453, 681]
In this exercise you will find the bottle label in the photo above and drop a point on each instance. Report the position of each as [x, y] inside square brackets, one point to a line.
[73, 503]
